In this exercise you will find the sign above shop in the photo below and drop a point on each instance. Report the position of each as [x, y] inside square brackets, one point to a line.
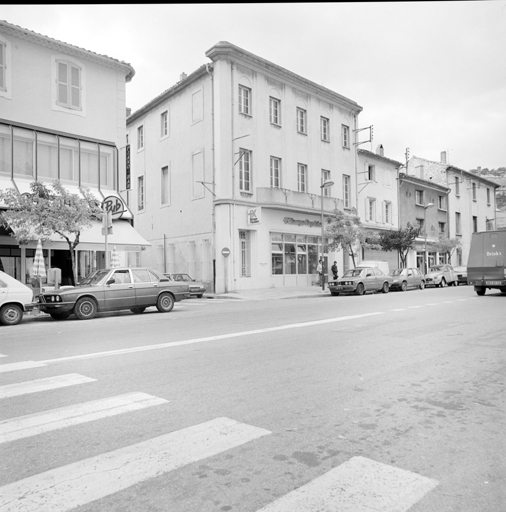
[305, 222]
[253, 215]
[114, 205]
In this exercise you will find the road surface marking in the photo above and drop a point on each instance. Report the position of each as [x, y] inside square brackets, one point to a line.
[3, 355]
[34, 386]
[55, 419]
[359, 484]
[413, 307]
[171, 344]
[82, 482]
[22, 365]
[397, 310]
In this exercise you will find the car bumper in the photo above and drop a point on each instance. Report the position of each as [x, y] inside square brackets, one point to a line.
[343, 288]
[57, 307]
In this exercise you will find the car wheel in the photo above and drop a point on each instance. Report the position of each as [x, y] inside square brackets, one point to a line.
[165, 303]
[404, 286]
[360, 289]
[422, 285]
[480, 290]
[137, 311]
[60, 316]
[11, 314]
[385, 288]
[85, 308]
[334, 294]
[199, 296]
[443, 283]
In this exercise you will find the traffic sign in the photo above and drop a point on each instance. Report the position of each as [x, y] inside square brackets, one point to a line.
[225, 251]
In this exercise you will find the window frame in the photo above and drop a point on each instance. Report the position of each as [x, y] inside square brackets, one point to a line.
[345, 136]
[245, 250]
[457, 186]
[325, 129]
[165, 189]
[474, 188]
[419, 193]
[301, 116]
[70, 87]
[326, 177]
[346, 191]
[301, 173]
[458, 223]
[370, 174]
[164, 124]
[441, 203]
[244, 100]
[140, 138]
[245, 171]
[141, 195]
[274, 111]
[371, 209]
[388, 212]
[275, 172]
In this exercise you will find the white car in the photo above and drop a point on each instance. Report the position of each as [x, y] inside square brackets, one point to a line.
[15, 298]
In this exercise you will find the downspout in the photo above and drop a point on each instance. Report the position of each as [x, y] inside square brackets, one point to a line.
[232, 205]
[213, 214]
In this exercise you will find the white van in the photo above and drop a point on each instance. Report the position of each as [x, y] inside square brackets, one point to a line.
[382, 265]
[15, 299]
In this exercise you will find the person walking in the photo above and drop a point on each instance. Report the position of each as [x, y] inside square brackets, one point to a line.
[319, 269]
[334, 270]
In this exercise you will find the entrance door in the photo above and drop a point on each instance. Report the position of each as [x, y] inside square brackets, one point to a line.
[121, 293]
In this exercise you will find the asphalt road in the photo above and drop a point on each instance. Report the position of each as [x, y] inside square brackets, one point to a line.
[375, 403]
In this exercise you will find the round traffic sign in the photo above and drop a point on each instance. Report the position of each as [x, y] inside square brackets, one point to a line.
[225, 251]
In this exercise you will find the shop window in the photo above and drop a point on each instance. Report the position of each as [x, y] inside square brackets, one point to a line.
[289, 252]
[47, 157]
[107, 167]
[69, 160]
[89, 164]
[24, 153]
[5, 150]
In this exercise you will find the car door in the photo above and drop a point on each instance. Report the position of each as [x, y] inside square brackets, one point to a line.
[4, 291]
[146, 287]
[410, 278]
[120, 294]
[370, 280]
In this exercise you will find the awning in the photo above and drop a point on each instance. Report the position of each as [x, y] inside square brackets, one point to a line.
[124, 238]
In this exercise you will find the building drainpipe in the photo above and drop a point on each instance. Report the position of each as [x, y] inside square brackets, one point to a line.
[213, 212]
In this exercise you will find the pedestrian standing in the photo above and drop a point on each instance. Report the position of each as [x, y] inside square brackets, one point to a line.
[319, 269]
[334, 270]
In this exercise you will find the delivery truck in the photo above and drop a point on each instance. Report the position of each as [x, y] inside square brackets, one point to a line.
[486, 263]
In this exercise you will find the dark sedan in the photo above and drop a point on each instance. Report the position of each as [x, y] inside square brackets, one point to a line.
[114, 289]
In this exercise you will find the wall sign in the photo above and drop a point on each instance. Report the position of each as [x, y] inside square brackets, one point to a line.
[305, 222]
[127, 157]
[114, 205]
[253, 215]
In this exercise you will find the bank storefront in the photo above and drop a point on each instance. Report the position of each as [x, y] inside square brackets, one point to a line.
[29, 154]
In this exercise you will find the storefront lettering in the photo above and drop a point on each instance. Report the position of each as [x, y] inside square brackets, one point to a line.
[305, 222]
[114, 205]
[252, 216]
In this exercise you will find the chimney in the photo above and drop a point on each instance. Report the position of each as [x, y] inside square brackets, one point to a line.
[183, 76]
[443, 157]
[379, 150]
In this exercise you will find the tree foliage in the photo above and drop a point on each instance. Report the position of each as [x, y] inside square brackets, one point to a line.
[46, 211]
[401, 240]
[346, 231]
[446, 245]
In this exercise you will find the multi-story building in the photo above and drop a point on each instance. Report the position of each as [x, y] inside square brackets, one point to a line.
[470, 203]
[62, 116]
[227, 168]
[378, 202]
[423, 203]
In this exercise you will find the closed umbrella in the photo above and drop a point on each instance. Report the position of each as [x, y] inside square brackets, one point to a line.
[114, 259]
[39, 267]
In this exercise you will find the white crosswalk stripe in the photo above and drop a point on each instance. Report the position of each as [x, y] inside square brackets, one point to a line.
[34, 386]
[82, 482]
[55, 419]
[359, 484]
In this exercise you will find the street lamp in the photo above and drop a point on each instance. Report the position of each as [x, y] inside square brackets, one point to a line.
[326, 184]
[428, 205]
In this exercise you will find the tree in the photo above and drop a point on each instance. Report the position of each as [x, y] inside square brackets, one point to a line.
[401, 240]
[446, 245]
[346, 232]
[43, 212]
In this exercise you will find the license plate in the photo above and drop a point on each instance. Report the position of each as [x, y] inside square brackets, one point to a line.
[493, 282]
[339, 287]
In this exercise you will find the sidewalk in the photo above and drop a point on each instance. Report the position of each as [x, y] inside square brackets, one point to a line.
[273, 293]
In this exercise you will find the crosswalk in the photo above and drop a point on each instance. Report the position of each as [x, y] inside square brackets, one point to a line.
[357, 484]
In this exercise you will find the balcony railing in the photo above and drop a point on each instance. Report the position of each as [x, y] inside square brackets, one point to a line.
[282, 197]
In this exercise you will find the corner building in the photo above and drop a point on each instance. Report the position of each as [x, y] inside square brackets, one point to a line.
[227, 167]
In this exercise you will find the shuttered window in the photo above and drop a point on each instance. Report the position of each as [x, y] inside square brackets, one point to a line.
[69, 85]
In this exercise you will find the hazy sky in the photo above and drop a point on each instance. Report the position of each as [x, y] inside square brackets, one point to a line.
[430, 76]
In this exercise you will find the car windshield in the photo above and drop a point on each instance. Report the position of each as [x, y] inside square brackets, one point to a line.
[438, 268]
[396, 272]
[181, 277]
[94, 278]
[354, 272]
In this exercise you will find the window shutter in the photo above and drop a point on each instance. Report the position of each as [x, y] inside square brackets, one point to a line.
[383, 212]
[75, 86]
[62, 83]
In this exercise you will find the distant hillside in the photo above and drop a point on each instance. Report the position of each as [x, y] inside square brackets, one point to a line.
[498, 175]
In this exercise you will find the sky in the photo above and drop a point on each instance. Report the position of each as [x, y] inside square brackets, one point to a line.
[430, 76]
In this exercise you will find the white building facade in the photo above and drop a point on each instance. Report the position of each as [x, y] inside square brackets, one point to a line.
[227, 168]
[62, 116]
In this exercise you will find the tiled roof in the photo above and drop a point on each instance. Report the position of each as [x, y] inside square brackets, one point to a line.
[30, 35]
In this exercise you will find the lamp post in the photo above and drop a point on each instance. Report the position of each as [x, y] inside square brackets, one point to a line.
[428, 205]
[325, 184]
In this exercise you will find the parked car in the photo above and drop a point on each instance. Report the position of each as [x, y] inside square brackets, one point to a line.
[441, 275]
[461, 274]
[381, 264]
[196, 287]
[15, 299]
[404, 278]
[114, 289]
[361, 280]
